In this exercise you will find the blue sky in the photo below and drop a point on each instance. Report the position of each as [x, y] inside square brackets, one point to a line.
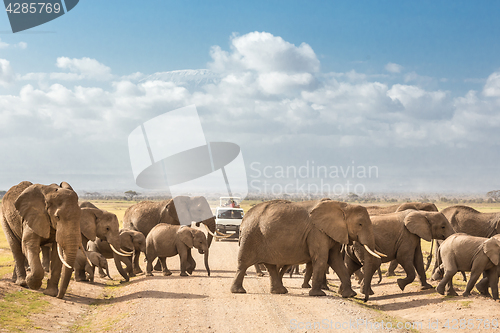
[411, 87]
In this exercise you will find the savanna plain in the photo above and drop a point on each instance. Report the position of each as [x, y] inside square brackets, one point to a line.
[199, 303]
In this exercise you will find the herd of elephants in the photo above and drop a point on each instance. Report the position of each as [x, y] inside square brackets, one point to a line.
[351, 239]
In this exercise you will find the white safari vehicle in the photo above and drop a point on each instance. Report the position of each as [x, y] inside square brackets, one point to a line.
[228, 216]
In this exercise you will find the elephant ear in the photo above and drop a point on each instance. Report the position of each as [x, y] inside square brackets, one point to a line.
[417, 224]
[32, 208]
[329, 217]
[127, 241]
[492, 249]
[186, 236]
[66, 186]
[88, 223]
[170, 211]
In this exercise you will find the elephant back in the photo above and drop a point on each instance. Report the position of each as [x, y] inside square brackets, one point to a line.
[467, 220]
[143, 216]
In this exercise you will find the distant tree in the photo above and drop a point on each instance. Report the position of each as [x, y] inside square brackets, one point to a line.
[444, 199]
[131, 194]
[2, 193]
[495, 195]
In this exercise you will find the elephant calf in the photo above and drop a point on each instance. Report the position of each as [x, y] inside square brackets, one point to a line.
[166, 240]
[82, 266]
[461, 252]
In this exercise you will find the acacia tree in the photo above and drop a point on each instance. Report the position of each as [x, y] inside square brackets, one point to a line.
[131, 194]
[495, 195]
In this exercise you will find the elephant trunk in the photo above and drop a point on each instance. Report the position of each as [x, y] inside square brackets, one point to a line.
[210, 223]
[205, 257]
[371, 263]
[69, 258]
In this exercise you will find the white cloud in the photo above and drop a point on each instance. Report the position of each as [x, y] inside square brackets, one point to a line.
[20, 45]
[266, 93]
[84, 68]
[492, 86]
[6, 73]
[263, 52]
[393, 68]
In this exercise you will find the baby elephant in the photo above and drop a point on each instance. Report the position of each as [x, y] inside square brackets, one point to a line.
[82, 266]
[461, 252]
[166, 240]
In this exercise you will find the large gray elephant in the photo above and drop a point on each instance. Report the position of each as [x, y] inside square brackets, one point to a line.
[166, 240]
[379, 210]
[467, 220]
[34, 215]
[398, 236]
[281, 233]
[462, 252]
[181, 210]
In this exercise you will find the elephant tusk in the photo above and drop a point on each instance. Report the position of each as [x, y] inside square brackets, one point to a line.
[371, 252]
[380, 254]
[216, 236]
[127, 252]
[61, 257]
[118, 252]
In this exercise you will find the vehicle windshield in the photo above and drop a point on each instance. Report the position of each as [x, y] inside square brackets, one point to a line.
[229, 214]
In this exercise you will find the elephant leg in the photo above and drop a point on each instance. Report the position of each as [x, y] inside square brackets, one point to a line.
[474, 276]
[483, 284]
[493, 279]
[149, 265]
[350, 266]
[283, 270]
[359, 275]
[324, 282]
[183, 255]
[392, 267]
[31, 247]
[90, 271]
[165, 270]
[158, 267]
[55, 272]
[418, 262]
[307, 276]
[128, 266]
[19, 274]
[407, 264]
[46, 258]
[137, 268]
[118, 264]
[276, 282]
[237, 286]
[336, 262]
[191, 263]
[258, 270]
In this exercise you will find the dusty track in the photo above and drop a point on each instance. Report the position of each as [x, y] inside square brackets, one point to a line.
[204, 304]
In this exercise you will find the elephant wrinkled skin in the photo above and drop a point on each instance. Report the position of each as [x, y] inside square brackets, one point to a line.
[281, 233]
[166, 240]
[34, 215]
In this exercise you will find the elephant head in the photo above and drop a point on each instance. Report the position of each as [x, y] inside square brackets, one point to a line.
[102, 224]
[345, 224]
[47, 207]
[131, 240]
[428, 225]
[195, 238]
[183, 210]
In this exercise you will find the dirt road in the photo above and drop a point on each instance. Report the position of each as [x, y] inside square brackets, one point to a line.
[204, 304]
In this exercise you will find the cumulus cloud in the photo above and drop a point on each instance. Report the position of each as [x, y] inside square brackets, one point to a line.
[84, 68]
[262, 93]
[263, 52]
[393, 68]
[6, 73]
